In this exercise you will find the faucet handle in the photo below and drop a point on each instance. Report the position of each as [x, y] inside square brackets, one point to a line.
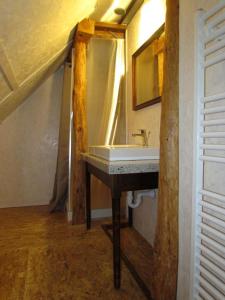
[142, 130]
[148, 136]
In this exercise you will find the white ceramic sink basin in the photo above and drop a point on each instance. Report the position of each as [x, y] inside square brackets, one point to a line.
[124, 152]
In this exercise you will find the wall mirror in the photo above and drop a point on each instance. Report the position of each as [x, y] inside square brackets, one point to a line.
[147, 71]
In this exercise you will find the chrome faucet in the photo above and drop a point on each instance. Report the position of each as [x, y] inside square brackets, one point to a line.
[144, 135]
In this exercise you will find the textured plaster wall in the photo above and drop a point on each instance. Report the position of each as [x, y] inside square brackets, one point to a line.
[34, 35]
[188, 11]
[28, 147]
[146, 21]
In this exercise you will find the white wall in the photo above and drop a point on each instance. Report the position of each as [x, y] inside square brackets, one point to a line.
[188, 10]
[28, 147]
[146, 21]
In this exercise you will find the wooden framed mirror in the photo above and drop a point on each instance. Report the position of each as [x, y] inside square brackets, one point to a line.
[147, 71]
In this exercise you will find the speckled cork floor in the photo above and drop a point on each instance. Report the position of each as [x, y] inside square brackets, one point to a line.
[44, 258]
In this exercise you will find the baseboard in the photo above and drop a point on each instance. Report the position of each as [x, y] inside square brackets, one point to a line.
[69, 216]
[101, 213]
[95, 214]
[18, 205]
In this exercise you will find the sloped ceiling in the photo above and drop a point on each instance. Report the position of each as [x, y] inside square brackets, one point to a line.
[35, 37]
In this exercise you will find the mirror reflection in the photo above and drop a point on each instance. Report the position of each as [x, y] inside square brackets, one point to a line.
[148, 71]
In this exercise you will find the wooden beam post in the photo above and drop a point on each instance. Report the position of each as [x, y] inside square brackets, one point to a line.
[166, 242]
[84, 32]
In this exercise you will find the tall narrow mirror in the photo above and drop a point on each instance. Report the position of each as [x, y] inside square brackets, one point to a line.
[147, 71]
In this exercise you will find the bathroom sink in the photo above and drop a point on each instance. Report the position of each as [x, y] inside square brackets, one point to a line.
[124, 152]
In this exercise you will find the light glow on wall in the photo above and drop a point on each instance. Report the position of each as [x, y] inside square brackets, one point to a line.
[152, 16]
[119, 73]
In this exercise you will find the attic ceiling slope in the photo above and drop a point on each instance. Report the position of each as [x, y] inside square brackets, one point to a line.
[17, 97]
[34, 37]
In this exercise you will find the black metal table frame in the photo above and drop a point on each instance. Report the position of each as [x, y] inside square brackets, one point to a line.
[117, 183]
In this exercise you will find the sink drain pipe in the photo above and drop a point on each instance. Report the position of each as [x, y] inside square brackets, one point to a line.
[134, 199]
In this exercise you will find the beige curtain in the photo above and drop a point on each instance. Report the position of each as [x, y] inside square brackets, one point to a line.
[62, 170]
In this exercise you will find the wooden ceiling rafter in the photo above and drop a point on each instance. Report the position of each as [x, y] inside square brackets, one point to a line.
[88, 28]
[85, 30]
[109, 30]
[131, 11]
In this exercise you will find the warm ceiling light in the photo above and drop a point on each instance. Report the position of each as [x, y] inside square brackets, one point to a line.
[120, 11]
[117, 8]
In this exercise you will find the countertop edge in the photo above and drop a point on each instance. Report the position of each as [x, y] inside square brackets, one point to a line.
[122, 167]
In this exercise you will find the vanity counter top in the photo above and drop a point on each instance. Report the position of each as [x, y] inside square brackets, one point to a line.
[122, 167]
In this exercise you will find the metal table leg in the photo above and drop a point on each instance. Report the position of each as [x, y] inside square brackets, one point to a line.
[130, 216]
[116, 237]
[88, 199]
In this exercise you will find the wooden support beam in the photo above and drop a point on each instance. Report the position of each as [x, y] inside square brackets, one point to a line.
[105, 34]
[166, 242]
[84, 32]
[109, 30]
[110, 26]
